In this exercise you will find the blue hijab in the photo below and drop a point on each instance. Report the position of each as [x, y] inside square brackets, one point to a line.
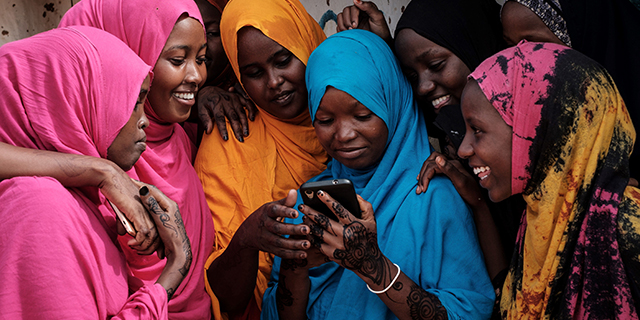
[430, 236]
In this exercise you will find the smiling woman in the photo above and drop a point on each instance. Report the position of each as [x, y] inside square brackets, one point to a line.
[168, 35]
[268, 43]
[570, 137]
[418, 255]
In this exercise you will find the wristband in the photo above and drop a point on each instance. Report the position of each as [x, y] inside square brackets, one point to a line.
[390, 284]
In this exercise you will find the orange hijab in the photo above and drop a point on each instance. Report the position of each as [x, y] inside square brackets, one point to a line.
[277, 155]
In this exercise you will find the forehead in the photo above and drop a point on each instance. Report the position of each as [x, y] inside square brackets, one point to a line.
[411, 45]
[474, 104]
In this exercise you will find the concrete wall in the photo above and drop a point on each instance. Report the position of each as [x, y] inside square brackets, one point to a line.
[23, 18]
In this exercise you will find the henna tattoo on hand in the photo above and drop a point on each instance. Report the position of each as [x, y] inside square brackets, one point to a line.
[186, 244]
[284, 297]
[423, 305]
[325, 223]
[339, 210]
[362, 254]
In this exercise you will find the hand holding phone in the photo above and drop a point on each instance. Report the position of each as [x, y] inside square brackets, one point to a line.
[341, 190]
[128, 226]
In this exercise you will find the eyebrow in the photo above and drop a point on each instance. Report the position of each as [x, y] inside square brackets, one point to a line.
[428, 53]
[283, 50]
[185, 47]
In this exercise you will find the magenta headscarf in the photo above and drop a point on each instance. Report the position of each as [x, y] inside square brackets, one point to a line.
[578, 252]
[53, 103]
[145, 25]
[69, 90]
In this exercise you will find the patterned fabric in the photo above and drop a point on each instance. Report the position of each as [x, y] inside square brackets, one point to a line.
[145, 25]
[430, 236]
[278, 155]
[572, 137]
[550, 12]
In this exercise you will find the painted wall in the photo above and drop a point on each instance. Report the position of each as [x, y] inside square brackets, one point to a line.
[23, 18]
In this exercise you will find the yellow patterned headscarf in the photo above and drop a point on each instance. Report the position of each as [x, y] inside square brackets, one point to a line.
[578, 246]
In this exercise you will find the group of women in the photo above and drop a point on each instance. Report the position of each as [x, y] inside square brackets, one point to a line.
[97, 118]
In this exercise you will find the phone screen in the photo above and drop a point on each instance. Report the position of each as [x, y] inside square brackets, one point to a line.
[341, 190]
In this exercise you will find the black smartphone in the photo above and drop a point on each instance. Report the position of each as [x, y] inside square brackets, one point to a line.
[340, 189]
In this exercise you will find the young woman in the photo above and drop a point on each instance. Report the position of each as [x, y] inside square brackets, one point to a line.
[58, 254]
[605, 31]
[168, 35]
[438, 43]
[418, 254]
[547, 122]
[268, 44]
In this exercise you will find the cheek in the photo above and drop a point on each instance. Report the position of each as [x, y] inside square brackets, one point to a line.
[325, 136]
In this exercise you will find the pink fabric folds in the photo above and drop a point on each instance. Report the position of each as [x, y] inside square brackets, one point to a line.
[69, 90]
[145, 25]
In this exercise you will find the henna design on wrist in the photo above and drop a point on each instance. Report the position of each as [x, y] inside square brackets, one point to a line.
[186, 244]
[423, 305]
[284, 297]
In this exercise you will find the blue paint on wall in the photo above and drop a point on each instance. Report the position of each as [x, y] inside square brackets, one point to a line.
[329, 15]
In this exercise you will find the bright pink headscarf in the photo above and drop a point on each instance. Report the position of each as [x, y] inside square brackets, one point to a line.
[69, 90]
[145, 25]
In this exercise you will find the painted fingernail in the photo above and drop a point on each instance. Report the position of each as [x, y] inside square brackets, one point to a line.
[301, 207]
[241, 139]
[306, 245]
[225, 138]
[246, 133]
[144, 191]
[321, 193]
[440, 161]
[305, 230]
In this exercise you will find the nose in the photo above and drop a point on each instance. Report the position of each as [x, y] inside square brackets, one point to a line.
[425, 85]
[466, 150]
[275, 79]
[344, 132]
[143, 123]
[196, 73]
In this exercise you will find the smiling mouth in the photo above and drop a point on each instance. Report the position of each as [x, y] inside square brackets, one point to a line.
[482, 172]
[185, 96]
[440, 102]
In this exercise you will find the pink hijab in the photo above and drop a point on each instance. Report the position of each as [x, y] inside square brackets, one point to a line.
[145, 25]
[69, 90]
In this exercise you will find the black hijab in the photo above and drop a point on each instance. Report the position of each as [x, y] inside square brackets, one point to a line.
[471, 29]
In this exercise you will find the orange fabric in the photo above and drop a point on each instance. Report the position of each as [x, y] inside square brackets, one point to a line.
[277, 155]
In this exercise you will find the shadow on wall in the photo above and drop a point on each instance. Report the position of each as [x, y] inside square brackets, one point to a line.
[24, 18]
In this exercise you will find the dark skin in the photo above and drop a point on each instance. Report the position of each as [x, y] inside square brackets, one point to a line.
[431, 80]
[364, 15]
[519, 23]
[175, 243]
[232, 276]
[344, 242]
[215, 103]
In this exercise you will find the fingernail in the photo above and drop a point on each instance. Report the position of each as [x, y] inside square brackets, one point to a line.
[306, 245]
[305, 230]
[241, 139]
[321, 193]
[246, 133]
[225, 138]
[144, 191]
[301, 207]
[440, 161]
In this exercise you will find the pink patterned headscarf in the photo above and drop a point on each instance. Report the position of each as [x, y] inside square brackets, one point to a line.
[578, 252]
[145, 25]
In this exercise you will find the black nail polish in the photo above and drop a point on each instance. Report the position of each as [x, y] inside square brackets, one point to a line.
[320, 193]
[241, 139]
[144, 191]
[225, 138]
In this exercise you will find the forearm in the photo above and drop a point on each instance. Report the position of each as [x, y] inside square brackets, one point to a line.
[405, 298]
[232, 276]
[292, 293]
[70, 169]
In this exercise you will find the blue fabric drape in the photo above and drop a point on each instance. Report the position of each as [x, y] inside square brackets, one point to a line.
[431, 236]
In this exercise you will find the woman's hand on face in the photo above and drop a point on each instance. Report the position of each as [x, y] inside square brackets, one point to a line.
[263, 229]
[221, 105]
[350, 242]
[122, 191]
[364, 15]
[176, 246]
[464, 183]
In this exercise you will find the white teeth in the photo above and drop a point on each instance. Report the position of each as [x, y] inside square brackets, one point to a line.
[478, 170]
[185, 96]
[439, 100]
